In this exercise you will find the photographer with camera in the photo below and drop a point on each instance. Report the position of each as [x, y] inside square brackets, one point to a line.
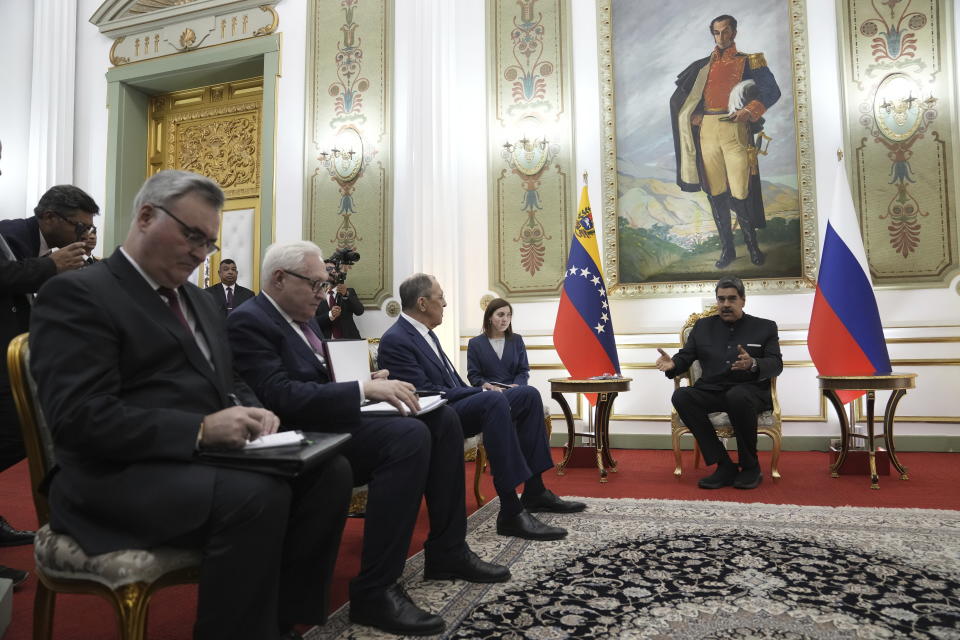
[341, 303]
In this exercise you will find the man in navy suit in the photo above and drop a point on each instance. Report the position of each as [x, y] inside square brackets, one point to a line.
[277, 350]
[228, 294]
[511, 419]
[63, 214]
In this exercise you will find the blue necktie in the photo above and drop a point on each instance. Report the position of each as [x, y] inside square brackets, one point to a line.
[443, 360]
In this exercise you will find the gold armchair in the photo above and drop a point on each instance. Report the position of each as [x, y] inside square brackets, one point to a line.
[126, 578]
[769, 423]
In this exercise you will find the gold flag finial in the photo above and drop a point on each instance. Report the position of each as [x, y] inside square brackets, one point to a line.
[839, 155]
[584, 178]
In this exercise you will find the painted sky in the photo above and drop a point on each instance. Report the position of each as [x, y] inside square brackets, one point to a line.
[652, 46]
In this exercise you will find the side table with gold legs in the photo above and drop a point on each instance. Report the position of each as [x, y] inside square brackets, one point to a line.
[606, 390]
[897, 384]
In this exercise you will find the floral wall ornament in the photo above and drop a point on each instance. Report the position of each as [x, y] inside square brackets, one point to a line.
[348, 182]
[530, 151]
[903, 133]
[529, 74]
[527, 159]
[897, 121]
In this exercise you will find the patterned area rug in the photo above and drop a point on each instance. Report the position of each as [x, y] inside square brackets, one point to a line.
[719, 570]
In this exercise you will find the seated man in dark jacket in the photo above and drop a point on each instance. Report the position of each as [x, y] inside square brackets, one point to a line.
[511, 420]
[739, 354]
[278, 352]
[134, 376]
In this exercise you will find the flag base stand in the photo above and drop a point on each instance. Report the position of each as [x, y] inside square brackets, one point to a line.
[857, 462]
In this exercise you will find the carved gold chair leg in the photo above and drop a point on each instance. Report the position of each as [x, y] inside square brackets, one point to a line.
[775, 453]
[479, 467]
[131, 602]
[675, 441]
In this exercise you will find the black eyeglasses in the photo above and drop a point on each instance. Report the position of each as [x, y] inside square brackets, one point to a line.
[81, 228]
[194, 236]
[318, 286]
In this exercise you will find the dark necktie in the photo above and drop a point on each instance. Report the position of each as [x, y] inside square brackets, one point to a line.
[448, 378]
[173, 302]
[229, 299]
[315, 342]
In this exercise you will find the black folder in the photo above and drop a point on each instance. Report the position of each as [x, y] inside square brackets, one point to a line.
[288, 461]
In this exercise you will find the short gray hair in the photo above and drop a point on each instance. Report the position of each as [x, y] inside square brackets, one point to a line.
[416, 286]
[288, 256]
[168, 185]
[730, 282]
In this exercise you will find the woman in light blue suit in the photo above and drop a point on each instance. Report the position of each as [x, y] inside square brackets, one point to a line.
[498, 355]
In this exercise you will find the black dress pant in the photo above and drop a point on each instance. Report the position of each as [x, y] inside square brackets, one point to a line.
[742, 403]
[401, 460]
[269, 549]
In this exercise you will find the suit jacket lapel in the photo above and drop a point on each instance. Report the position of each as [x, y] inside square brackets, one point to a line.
[301, 348]
[424, 346]
[212, 334]
[150, 301]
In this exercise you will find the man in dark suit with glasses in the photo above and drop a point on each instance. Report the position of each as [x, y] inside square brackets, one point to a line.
[62, 216]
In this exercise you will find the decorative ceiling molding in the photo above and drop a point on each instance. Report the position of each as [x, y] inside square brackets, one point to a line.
[119, 18]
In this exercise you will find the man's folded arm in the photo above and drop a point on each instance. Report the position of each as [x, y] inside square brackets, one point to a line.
[75, 358]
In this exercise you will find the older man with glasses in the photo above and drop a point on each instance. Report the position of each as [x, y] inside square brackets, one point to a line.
[135, 376]
[277, 349]
[33, 250]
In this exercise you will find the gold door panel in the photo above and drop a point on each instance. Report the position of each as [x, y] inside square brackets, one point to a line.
[216, 131]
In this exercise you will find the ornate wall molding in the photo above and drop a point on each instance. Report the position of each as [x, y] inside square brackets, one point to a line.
[348, 200]
[146, 29]
[899, 88]
[530, 145]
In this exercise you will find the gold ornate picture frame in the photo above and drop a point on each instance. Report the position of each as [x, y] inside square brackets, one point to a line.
[660, 240]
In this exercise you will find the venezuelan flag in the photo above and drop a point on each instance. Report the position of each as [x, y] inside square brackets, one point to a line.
[583, 333]
[846, 335]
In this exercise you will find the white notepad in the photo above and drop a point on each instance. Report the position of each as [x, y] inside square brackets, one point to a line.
[278, 439]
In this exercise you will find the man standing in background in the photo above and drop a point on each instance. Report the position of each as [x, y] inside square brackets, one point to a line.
[63, 215]
[228, 294]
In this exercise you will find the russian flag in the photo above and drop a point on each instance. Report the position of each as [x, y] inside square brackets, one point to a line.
[846, 335]
[583, 333]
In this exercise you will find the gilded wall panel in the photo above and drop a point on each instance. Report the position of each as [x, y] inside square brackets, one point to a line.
[348, 191]
[530, 145]
[902, 129]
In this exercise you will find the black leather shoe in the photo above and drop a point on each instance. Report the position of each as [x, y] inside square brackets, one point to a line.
[548, 501]
[394, 612]
[525, 525]
[748, 478]
[292, 634]
[470, 568]
[724, 476]
[16, 576]
[10, 537]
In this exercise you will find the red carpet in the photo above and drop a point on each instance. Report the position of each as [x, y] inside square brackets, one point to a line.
[934, 478]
